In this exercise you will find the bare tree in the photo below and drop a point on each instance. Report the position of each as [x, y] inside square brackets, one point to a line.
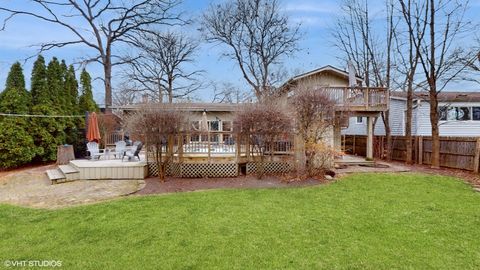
[263, 125]
[314, 119]
[358, 40]
[257, 35]
[408, 57]
[158, 126]
[229, 93]
[108, 25]
[441, 56]
[123, 95]
[159, 71]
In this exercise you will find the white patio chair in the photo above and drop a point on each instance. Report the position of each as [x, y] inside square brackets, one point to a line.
[120, 148]
[134, 152]
[95, 152]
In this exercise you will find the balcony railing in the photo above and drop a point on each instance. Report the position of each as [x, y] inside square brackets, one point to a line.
[359, 98]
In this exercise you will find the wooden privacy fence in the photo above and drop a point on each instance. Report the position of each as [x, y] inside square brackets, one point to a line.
[455, 152]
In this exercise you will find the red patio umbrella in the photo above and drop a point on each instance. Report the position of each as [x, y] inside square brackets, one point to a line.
[93, 132]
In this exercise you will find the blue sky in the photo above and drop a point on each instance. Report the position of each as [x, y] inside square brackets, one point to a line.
[316, 46]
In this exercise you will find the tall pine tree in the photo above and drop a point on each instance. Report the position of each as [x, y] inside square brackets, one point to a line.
[47, 132]
[16, 143]
[86, 102]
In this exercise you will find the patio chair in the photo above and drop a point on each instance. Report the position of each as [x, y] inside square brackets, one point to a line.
[95, 152]
[134, 152]
[120, 148]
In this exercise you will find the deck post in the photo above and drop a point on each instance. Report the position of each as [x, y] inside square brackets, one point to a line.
[238, 149]
[208, 145]
[369, 138]
[180, 148]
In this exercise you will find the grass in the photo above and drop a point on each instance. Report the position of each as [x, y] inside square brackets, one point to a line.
[372, 221]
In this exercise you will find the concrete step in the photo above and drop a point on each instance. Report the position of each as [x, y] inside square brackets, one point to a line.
[56, 175]
[71, 173]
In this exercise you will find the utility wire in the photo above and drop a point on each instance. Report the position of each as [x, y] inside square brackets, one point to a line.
[41, 116]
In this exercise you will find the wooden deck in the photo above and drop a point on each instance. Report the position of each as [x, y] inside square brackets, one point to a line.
[83, 169]
[363, 99]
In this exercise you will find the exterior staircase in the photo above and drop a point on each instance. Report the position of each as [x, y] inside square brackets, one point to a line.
[64, 173]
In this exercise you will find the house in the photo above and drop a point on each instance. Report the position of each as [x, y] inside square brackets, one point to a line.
[459, 115]
[362, 102]
[219, 148]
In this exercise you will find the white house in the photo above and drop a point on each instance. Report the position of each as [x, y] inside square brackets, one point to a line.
[459, 115]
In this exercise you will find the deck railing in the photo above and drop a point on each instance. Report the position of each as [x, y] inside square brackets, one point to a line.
[359, 98]
[224, 144]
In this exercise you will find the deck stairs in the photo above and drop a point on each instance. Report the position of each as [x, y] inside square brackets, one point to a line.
[64, 173]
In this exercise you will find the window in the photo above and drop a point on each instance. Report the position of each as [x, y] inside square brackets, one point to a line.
[457, 113]
[359, 120]
[195, 138]
[214, 125]
[227, 125]
[476, 113]
[463, 113]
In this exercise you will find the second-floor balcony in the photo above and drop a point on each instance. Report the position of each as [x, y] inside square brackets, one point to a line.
[369, 99]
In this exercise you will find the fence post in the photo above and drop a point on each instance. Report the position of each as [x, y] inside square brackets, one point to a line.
[353, 148]
[420, 150]
[476, 161]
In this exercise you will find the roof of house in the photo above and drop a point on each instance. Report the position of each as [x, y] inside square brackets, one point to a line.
[444, 96]
[329, 68]
[191, 107]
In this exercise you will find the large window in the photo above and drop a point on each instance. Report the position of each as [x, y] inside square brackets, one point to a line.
[459, 113]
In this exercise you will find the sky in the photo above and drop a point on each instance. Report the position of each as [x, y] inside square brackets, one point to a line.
[317, 49]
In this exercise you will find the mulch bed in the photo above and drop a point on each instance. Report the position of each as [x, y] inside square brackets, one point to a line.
[154, 186]
[470, 177]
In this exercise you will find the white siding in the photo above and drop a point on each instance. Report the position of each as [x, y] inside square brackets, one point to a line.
[397, 116]
[447, 128]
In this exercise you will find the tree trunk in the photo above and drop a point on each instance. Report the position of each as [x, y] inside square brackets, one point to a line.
[435, 130]
[107, 68]
[408, 121]
[388, 135]
[170, 90]
[432, 81]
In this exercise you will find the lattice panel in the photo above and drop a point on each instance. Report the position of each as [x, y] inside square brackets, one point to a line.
[197, 170]
[209, 170]
[173, 169]
[270, 167]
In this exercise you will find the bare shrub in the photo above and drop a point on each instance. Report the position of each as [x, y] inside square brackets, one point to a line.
[314, 119]
[263, 125]
[158, 126]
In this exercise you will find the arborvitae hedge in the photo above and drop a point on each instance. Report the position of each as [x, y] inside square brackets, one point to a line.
[54, 91]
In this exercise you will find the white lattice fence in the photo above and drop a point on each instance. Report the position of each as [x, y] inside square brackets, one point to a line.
[173, 169]
[194, 170]
[270, 167]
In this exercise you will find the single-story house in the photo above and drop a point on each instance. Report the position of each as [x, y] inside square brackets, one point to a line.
[459, 115]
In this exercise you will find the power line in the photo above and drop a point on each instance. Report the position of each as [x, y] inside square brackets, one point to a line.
[41, 116]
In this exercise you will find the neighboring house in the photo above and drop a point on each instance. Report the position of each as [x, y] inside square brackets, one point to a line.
[459, 115]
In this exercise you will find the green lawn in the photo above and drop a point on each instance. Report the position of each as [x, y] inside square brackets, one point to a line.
[373, 221]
